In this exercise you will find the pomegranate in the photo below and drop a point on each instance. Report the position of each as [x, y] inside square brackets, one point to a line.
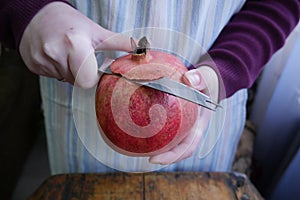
[138, 121]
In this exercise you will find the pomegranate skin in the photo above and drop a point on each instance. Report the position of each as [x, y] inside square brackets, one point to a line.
[139, 121]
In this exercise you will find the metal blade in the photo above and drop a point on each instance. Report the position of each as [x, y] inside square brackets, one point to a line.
[180, 90]
[172, 87]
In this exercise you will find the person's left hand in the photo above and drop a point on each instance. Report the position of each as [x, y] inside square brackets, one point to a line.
[205, 80]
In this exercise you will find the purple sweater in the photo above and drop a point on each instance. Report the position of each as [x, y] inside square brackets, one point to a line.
[244, 46]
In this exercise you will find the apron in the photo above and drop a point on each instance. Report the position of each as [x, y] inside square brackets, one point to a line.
[186, 28]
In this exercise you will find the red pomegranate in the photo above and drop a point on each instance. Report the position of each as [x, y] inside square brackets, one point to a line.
[140, 121]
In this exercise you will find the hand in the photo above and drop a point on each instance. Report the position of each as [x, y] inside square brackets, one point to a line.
[59, 41]
[205, 80]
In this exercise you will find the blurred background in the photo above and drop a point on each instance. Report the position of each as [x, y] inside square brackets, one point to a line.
[21, 123]
[268, 153]
[275, 113]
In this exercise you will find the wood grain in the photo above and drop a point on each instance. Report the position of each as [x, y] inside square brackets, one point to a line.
[149, 186]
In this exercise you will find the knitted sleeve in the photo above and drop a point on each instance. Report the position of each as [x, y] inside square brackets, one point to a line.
[249, 40]
[15, 15]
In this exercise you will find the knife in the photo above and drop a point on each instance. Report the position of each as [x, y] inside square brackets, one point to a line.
[171, 87]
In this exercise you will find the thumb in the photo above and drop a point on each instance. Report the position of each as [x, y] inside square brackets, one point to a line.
[204, 79]
[108, 40]
[194, 78]
[82, 61]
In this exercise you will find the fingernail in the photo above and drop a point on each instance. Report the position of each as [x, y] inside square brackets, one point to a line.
[192, 78]
[153, 161]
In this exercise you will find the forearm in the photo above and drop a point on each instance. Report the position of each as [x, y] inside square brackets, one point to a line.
[15, 16]
[249, 40]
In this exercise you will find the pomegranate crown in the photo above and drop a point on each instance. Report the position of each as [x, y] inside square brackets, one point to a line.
[141, 48]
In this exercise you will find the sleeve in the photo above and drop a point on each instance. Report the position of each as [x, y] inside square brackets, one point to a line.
[249, 40]
[15, 15]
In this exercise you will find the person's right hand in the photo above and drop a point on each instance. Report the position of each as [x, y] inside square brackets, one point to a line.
[204, 79]
[59, 41]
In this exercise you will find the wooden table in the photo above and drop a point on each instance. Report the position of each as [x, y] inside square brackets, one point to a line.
[152, 186]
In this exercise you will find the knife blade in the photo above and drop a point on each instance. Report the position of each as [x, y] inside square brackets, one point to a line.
[172, 87]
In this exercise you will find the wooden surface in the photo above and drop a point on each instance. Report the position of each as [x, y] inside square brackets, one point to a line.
[152, 186]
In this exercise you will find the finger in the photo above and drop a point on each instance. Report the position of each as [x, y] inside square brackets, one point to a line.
[182, 151]
[81, 60]
[38, 63]
[204, 79]
[194, 78]
[55, 53]
[108, 40]
[188, 146]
